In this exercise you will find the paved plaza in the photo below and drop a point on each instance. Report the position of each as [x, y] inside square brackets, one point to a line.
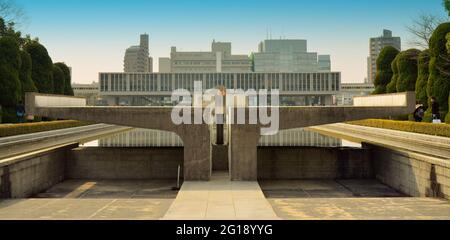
[223, 199]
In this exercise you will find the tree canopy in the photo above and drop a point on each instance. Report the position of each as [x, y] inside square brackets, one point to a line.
[25, 74]
[407, 68]
[42, 70]
[10, 61]
[58, 80]
[439, 68]
[67, 78]
[422, 77]
[392, 85]
[384, 68]
[447, 6]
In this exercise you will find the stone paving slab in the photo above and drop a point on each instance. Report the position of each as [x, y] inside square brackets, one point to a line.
[220, 199]
[361, 208]
[83, 209]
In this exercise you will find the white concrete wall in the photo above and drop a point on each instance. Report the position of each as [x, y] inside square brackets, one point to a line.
[382, 100]
[59, 101]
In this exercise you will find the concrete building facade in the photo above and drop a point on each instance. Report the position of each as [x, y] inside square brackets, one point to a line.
[376, 45]
[289, 55]
[351, 90]
[219, 59]
[302, 89]
[88, 91]
[137, 57]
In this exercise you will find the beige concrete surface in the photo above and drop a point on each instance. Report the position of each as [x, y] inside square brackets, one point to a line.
[90, 199]
[221, 199]
[349, 200]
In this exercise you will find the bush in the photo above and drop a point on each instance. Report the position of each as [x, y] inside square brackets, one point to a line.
[42, 67]
[58, 80]
[439, 80]
[10, 61]
[407, 126]
[407, 70]
[384, 70]
[392, 86]
[67, 78]
[25, 74]
[422, 78]
[25, 128]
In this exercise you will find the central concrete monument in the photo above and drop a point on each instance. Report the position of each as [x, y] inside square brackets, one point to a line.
[243, 136]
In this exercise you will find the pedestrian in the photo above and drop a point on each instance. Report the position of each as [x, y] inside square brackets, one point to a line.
[435, 110]
[419, 113]
[20, 112]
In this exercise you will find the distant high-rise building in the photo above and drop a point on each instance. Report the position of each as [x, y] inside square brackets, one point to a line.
[375, 46]
[324, 63]
[289, 55]
[218, 60]
[137, 57]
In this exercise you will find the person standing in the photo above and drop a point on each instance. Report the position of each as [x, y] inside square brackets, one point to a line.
[419, 113]
[20, 112]
[435, 109]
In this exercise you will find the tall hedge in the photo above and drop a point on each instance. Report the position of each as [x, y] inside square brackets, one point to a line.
[392, 85]
[423, 62]
[10, 61]
[408, 68]
[384, 70]
[25, 74]
[42, 67]
[58, 80]
[439, 78]
[67, 77]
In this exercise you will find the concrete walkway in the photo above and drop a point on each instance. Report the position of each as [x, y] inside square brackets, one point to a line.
[221, 199]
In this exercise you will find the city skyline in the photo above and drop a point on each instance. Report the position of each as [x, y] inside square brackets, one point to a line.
[97, 41]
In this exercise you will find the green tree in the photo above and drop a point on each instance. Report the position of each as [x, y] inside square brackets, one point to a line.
[447, 6]
[448, 43]
[10, 86]
[58, 80]
[439, 78]
[384, 70]
[422, 78]
[42, 67]
[25, 74]
[392, 85]
[68, 79]
[407, 68]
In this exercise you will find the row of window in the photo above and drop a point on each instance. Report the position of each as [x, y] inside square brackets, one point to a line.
[297, 82]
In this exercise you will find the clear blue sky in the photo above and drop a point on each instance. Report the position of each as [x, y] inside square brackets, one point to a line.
[92, 35]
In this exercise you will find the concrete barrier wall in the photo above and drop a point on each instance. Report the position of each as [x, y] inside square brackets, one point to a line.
[59, 101]
[413, 174]
[381, 100]
[124, 163]
[30, 175]
[313, 163]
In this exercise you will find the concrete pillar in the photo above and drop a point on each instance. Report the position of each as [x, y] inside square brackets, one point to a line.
[197, 152]
[242, 152]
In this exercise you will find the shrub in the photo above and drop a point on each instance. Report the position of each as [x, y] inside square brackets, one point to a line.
[42, 67]
[392, 86]
[439, 80]
[407, 70]
[58, 80]
[407, 126]
[384, 70]
[422, 78]
[25, 128]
